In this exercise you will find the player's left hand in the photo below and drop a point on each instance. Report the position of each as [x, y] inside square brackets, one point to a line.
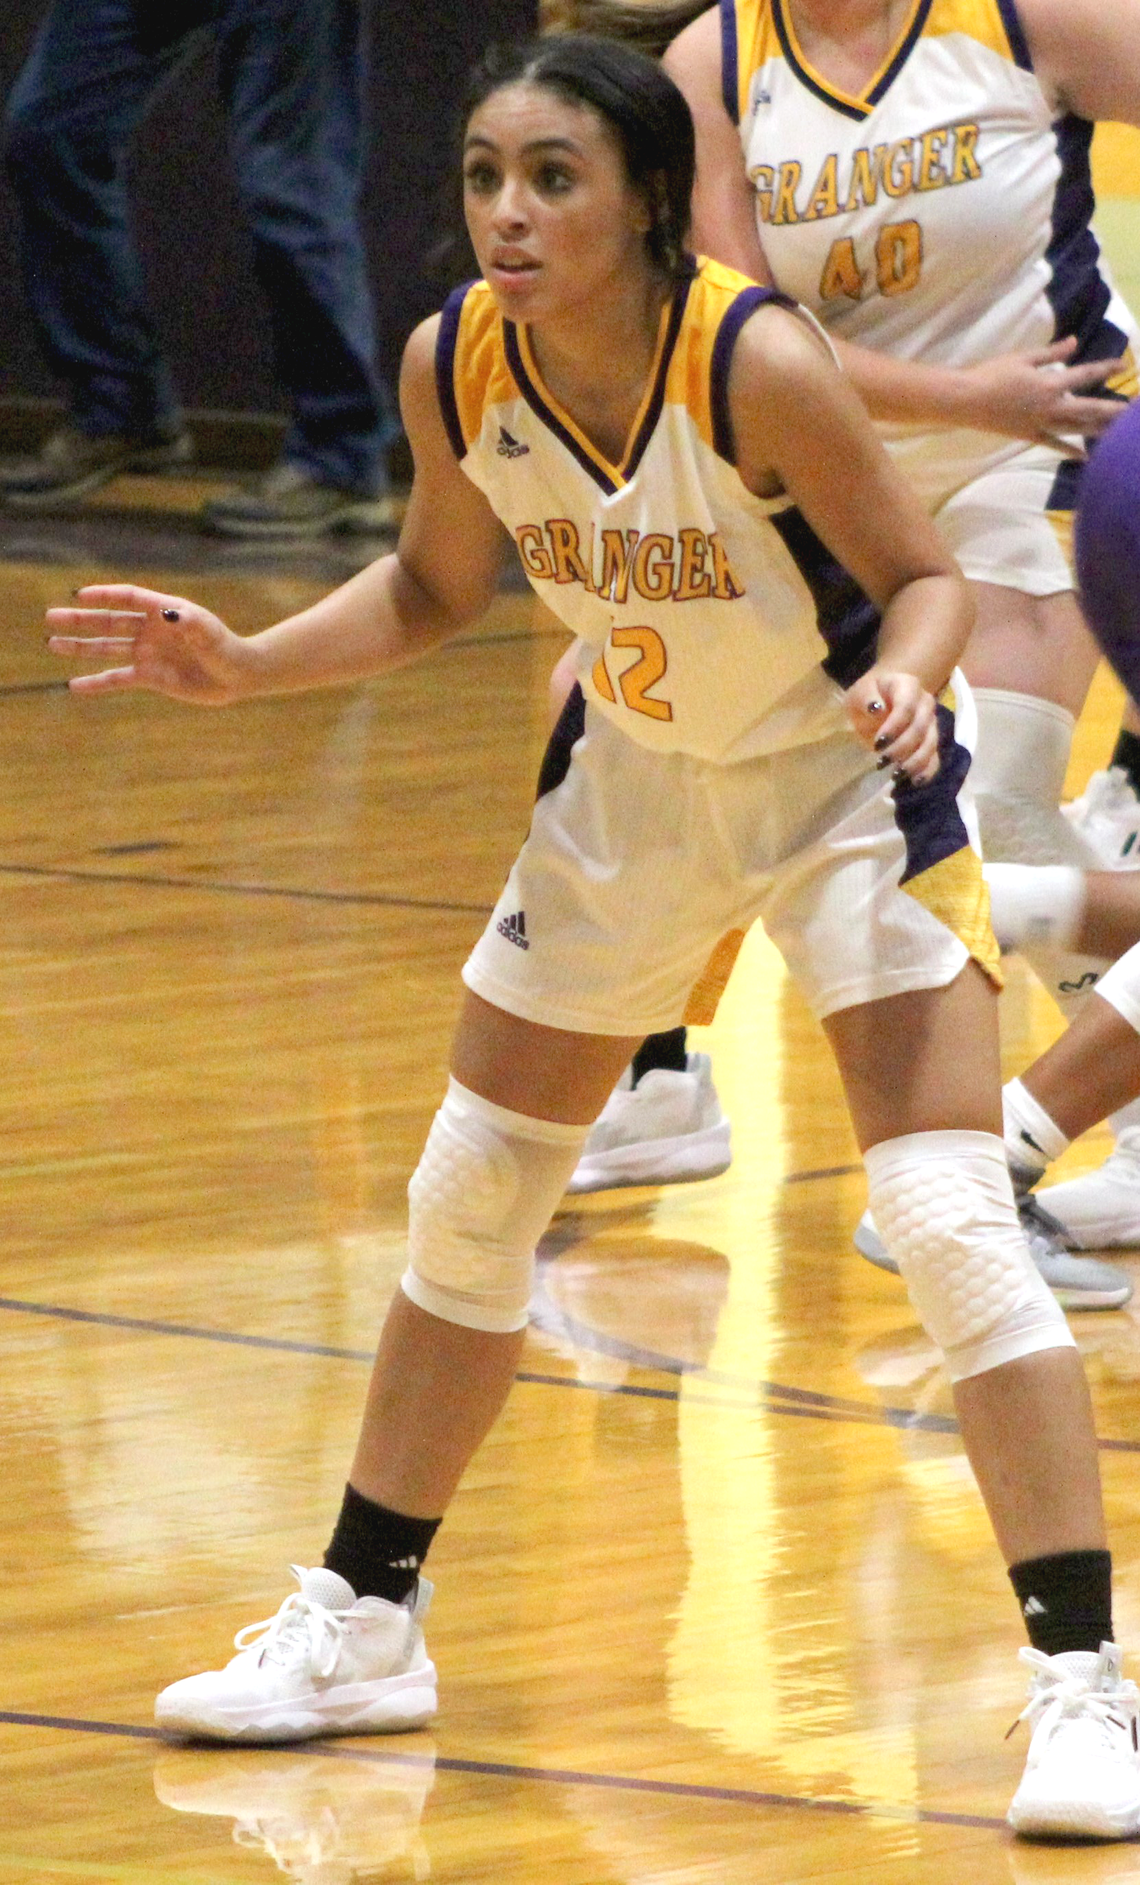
[893, 714]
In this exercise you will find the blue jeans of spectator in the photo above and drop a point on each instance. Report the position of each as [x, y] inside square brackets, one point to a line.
[292, 81]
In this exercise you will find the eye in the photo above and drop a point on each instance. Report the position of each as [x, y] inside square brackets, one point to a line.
[480, 177]
[554, 179]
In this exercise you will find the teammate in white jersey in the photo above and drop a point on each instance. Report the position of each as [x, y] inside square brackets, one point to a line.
[916, 171]
[688, 480]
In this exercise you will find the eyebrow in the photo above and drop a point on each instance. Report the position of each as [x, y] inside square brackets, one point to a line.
[535, 144]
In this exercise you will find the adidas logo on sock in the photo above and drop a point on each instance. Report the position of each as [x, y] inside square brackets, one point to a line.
[509, 447]
[1033, 1607]
[514, 929]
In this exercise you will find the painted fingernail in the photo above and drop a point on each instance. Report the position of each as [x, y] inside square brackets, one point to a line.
[171, 615]
[901, 776]
[883, 763]
[881, 742]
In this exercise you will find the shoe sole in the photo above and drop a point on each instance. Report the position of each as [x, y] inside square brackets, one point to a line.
[357, 520]
[1074, 1821]
[162, 458]
[680, 1161]
[395, 1705]
[1070, 1295]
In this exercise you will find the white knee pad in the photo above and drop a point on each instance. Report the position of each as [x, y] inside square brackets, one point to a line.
[943, 1204]
[481, 1196]
[1016, 779]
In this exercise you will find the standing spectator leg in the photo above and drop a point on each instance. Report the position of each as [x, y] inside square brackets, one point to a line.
[292, 76]
[91, 72]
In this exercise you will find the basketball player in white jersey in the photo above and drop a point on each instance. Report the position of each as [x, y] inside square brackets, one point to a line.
[687, 479]
[916, 172]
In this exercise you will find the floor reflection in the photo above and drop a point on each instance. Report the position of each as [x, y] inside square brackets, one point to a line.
[325, 1816]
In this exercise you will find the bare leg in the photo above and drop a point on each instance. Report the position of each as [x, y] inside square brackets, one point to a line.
[1091, 1071]
[926, 1062]
[437, 1389]
[1035, 645]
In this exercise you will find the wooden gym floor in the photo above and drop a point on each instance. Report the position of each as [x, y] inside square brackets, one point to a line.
[717, 1604]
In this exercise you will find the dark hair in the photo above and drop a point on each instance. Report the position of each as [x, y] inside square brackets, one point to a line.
[642, 106]
[649, 27]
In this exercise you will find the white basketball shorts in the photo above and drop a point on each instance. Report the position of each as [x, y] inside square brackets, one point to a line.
[642, 872]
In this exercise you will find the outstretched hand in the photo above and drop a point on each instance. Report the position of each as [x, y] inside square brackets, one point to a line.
[165, 645]
[894, 715]
[1039, 396]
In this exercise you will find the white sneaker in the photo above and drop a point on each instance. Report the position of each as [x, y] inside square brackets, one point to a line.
[1076, 1282]
[1100, 1210]
[321, 1821]
[1082, 1774]
[327, 1663]
[1107, 815]
[665, 1131]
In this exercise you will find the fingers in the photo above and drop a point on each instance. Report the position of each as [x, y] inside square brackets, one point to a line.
[121, 597]
[906, 739]
[1057, 351]
[110, 681]
[105, 621]
[90, 647]
[1090, 373]
[1088, 416]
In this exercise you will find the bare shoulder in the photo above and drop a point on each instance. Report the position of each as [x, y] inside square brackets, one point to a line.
[781, 346]
[695, 53]
[418, 365]
[787, 397]
[1084, 54]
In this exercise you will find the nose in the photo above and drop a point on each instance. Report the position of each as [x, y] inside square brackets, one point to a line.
[510, 208]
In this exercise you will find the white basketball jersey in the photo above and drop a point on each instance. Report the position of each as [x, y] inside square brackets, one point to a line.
[942, 215]
[715, 623]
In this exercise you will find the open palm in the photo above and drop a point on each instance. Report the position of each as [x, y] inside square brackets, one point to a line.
[162, 645]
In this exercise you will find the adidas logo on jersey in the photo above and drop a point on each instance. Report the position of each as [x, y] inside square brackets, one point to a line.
[509, 447]
[514, 928]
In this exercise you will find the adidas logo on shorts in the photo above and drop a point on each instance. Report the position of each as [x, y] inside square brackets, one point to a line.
[514, 929]
[509, 447]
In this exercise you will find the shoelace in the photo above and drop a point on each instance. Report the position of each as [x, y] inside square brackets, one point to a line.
[1069, 1696]
[297, 1616]
[1043, 1233]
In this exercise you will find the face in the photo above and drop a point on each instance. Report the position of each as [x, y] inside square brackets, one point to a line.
[551, 212]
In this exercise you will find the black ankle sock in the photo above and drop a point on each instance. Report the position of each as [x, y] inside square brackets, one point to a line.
[669, 1050]
[377, 1551]
[1066, 1600]
[1126, 755]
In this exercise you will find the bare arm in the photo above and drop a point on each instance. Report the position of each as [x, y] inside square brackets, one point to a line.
[1031, 395]
[798, 425]
[442, 576]
[1086, 54]
[724, 203]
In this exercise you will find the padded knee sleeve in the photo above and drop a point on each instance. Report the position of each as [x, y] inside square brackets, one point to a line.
[481, 1196]
[943, 1204]
[1017, 778]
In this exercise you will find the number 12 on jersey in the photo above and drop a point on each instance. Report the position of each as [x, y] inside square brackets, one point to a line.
[635, 680]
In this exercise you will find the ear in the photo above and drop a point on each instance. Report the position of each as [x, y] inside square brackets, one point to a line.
[652, 199]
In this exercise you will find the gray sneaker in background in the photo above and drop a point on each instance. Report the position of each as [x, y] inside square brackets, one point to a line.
[72, 464]
[1077, 1282]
